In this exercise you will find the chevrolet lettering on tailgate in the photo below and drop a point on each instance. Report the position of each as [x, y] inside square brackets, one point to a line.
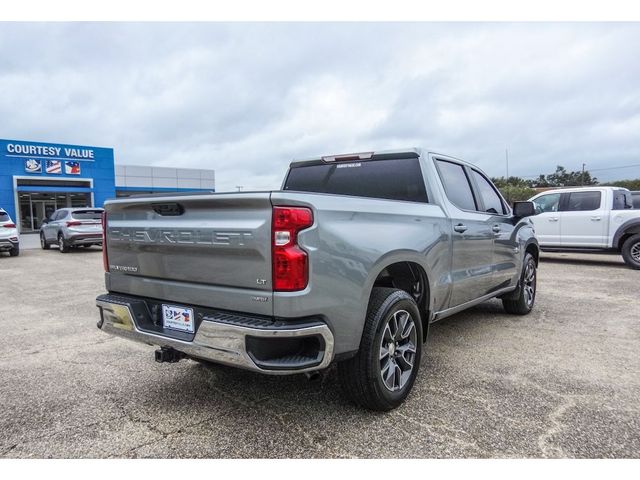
[199, 237]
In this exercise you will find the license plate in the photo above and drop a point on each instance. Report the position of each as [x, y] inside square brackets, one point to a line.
[177, 318]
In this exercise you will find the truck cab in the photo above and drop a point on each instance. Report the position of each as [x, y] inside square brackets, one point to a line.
[587, 219]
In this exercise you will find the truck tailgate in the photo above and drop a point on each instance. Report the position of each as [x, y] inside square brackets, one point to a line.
[157, 245]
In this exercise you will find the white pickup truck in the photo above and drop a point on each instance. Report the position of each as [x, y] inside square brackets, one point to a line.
[589, 219]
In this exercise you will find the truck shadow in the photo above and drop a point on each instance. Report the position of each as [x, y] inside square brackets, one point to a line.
[222, 388]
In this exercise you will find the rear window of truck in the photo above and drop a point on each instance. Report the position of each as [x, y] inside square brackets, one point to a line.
[397, 179]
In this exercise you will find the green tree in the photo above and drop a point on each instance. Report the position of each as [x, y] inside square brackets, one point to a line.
[630, 184]
[563, 178]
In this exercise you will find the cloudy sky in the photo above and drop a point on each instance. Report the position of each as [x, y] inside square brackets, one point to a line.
[246, 99]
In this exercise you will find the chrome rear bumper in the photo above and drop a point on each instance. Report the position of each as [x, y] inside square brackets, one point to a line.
[220, 341]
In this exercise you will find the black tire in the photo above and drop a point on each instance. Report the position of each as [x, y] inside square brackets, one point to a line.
[43, 242]
[62, 245]
[631, 251]
[526, 293]
[361, 376]
[15, 251]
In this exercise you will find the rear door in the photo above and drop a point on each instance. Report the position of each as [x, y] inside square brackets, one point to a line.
[472, 244]
[87, 221]
[547, 219]
[584, 219]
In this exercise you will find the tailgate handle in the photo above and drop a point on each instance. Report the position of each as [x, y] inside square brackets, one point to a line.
[168, 209]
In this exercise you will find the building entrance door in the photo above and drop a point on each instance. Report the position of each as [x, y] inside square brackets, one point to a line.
[41, 209]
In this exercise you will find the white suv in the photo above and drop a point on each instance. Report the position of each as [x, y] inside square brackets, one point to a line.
[9, 240]
[589, 219]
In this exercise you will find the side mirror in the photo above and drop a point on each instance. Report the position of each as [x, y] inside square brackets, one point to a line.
[523, 209]
[45, 221]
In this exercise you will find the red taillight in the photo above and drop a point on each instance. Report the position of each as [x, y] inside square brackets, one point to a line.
[290, 262]
[9, 225]
[105, 256]
[73, 224]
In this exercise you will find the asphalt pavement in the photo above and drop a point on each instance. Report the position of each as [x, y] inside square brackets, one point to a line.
[563, 381]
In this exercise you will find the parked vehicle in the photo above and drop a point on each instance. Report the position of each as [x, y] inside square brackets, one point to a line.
[9, 239]
[589, 219]
[636, 199]
[350, 262]
[72, 227]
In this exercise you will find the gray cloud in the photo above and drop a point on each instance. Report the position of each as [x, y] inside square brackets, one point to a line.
[247, 98]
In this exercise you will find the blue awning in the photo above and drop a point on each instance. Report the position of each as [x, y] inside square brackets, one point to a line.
[66, 189]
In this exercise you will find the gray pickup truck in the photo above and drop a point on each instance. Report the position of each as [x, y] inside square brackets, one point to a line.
[349, 263]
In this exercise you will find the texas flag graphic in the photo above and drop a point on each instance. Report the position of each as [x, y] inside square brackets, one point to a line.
[54, 166]
[72, 168]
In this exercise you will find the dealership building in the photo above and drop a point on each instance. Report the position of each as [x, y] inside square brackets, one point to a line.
[37, 178]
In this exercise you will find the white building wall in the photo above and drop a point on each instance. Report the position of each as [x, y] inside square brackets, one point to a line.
[164, 177]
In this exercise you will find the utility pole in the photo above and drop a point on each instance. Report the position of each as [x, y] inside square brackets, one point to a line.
[582, 176]
[239, 187]
[506, 154]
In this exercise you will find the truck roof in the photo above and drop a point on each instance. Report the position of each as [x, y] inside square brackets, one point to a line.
[410, 152]
[580, 189]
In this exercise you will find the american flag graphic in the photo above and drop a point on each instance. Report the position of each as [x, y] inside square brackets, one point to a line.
[72, 168]
[54, 166]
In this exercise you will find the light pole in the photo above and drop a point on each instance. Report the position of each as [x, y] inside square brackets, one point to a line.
[506, 154]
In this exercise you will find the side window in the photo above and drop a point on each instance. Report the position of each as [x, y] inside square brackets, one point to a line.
[636, 201]
[490, 198]
[583, 201]
[53, 216]
[456, 185]
[622, 200]
[547, 203]
[61, 214]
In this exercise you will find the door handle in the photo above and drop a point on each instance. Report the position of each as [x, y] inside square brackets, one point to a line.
[595, 219]
[460, 228]
[553, 219]
[496, 228]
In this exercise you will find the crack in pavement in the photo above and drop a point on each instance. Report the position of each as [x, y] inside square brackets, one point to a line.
[548, 450]
[462, 443]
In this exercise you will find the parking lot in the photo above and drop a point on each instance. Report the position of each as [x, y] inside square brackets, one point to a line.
[561, 382]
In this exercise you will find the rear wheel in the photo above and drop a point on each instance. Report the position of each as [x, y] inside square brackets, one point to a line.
[15, 251]
[43, 242]
[523, 303]
[631, 251]
[62, 245]
[382, 374]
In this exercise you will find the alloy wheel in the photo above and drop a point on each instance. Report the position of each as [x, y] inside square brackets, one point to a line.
[397, 350]
[529, 283]
[635, 251]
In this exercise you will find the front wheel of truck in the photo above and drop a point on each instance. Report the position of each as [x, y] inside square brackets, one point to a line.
[381, 375]
[522, 304]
